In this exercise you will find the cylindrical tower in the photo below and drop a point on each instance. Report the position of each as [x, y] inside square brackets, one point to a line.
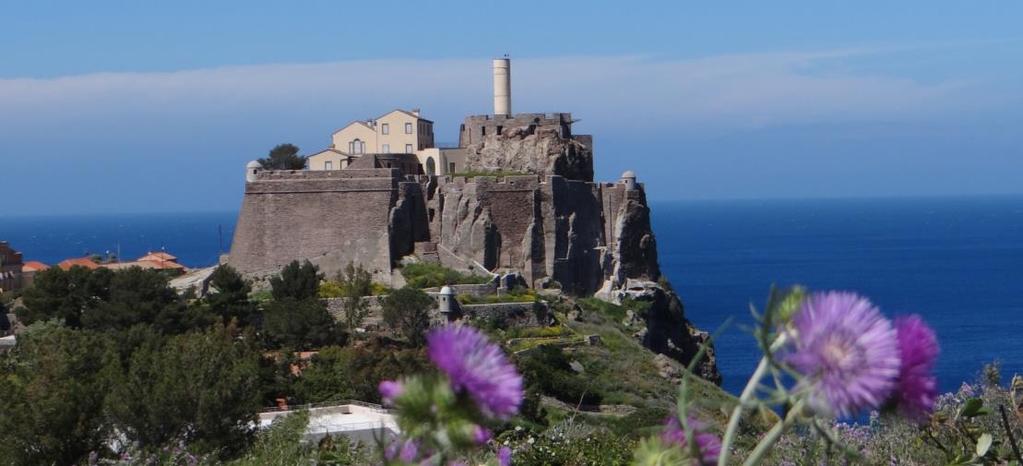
[250, 170]
[502, 86]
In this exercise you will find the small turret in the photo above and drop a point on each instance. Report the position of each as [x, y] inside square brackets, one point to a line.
[250, 170]
[629, 180]
[444, 300]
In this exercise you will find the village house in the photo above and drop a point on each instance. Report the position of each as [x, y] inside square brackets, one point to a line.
[10, 268]
[29, 271]
[152, 260]
[396, 132]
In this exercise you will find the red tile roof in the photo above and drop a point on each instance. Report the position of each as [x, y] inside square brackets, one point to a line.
[158, 256]
[81, 262]
[34, 266]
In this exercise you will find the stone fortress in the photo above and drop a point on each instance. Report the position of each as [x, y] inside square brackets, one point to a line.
[541, 215]
[528, 208]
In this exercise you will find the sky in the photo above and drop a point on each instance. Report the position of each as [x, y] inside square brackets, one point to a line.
[124, 106]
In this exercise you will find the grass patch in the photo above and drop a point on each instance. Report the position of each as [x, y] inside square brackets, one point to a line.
[518, 295]
[428, 275]
[336, 289]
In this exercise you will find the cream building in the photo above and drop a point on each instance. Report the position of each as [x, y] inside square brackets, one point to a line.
[396, 132]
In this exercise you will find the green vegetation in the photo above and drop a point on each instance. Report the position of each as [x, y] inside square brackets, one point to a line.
[53, 389]
[299, 325]
[283, 157]
[281, 445]
[518, 295]
[427, 275]
[182, 378]
[297, 282]
[407, 313]
[200, 387]
[229, 296]
[350, 285]
[548, 371]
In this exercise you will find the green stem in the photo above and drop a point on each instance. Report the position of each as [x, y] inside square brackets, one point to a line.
[744, 399]
[773, 435]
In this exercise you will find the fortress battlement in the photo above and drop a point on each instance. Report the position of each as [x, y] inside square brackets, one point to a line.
[298, 175]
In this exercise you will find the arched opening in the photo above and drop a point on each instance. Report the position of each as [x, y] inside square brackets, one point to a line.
[356, 146]
[431, 166]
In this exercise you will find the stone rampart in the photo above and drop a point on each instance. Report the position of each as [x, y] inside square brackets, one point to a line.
[527, 314]
[329, 218]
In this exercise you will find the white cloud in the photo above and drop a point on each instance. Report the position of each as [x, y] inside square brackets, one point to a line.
[635, 93]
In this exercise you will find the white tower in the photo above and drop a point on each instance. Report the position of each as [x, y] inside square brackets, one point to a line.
[250, 170]
[444, 299]
[629, 180]
[502, 86]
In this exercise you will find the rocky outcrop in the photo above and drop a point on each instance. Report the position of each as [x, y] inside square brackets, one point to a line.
[531, 149]
[665, 329]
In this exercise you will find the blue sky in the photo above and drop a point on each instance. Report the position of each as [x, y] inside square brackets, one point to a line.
[137, 106]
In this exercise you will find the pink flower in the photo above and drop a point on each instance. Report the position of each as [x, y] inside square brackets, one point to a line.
[708, 444]
[504, 456]
[481, 435]
[390, 390]
[404, 451]
[846, 351]
[478, 367]
[917, 388]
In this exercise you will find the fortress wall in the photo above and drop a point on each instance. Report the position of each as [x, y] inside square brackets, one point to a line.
[472, 129]
[330, 218]
[575, 237]
[409, 221]
[510, 204]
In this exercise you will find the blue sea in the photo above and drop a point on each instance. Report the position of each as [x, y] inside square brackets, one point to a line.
[956, 261]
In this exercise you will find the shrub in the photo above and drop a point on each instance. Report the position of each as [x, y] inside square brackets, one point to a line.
[328, 377]
[518, 295]
[549, 371]
[429, 275]
[407, 313]
[296, 281]
[299, 325]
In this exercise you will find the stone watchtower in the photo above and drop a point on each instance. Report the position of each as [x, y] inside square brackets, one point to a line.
[250, 170]
[629, 180]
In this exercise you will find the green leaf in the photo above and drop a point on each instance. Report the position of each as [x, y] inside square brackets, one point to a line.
[972, 408]
[984, 444]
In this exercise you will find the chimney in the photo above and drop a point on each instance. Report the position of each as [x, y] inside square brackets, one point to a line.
[502, 86]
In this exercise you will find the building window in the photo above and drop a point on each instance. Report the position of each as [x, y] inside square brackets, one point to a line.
[499, 130]
[356, 146]
[328, 165]
[451, 168]
[408, 128]
[385, 128]
[408, 148]
[386, 149]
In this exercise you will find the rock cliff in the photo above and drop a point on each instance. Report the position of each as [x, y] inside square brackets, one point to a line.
[531, 149]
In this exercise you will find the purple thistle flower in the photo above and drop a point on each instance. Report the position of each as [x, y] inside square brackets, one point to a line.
[390, 390]
[404, 451]
[480, 368]
[504, 456]
[917, 388]
[846, 351]
[481, 435]
[708, 444]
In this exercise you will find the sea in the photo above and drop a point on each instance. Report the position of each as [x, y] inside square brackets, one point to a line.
[958, 262]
